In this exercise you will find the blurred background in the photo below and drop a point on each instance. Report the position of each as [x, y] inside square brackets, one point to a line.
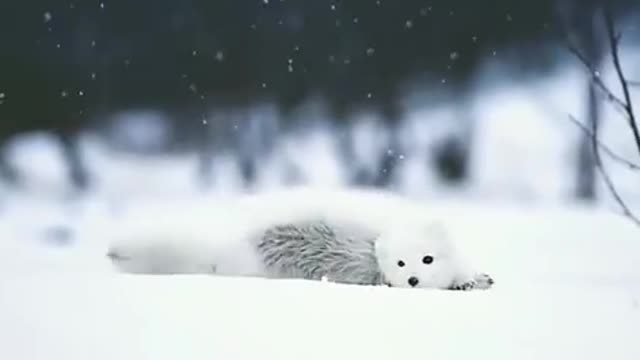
[118, 100]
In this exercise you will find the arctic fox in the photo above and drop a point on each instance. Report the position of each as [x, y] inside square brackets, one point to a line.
[350, 236]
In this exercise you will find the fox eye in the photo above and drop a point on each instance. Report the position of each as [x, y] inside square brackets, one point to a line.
[400, 263]
[427, 259]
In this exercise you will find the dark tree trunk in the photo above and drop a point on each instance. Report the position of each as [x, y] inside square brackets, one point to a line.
[586, 171]
[7, 172]
[585, 32]
[77, 170]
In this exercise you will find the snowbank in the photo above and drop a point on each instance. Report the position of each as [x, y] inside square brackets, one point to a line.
[567, 287]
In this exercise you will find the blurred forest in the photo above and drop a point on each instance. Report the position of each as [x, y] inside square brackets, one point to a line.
[68, 66]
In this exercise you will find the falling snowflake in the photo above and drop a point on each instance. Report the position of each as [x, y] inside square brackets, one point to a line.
[2, 96]
[408, 24]
[93, 76]
[204, 121]
[370, 51]
[444, 81]
[401, 157]
[290, 68]
[219, 55]
[93, 43]
[58, 45]
[64, 94]
[369, 95]
[509, 18]
[264, 85]
[194, 53]
[474, 38]
[454, 55]
[47, 17]
[355, 20]
[80, 93]
[265, 1]
[290, 61]
[333, 7]
[101, 5]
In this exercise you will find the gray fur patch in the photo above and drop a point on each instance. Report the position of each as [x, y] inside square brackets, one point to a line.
[315, 250]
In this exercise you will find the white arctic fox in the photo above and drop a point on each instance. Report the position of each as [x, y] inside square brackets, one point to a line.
[349, 236]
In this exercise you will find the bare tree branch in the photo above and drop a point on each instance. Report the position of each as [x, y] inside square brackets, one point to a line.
[597, 80]
[614, 41]
[605, 176]
[624, 105]
[607, 150]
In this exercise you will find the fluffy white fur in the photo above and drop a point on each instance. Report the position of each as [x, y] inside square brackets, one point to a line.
[220, 237]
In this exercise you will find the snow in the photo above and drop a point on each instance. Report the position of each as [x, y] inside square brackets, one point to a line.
[567, 287]
[567, 278]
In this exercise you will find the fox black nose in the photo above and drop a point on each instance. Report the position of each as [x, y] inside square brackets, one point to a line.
[413, 281]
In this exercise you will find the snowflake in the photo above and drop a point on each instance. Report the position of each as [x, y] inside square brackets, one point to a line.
[47, 17]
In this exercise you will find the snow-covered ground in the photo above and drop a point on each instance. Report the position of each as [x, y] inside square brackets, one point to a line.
[567, 278]
[567, 287]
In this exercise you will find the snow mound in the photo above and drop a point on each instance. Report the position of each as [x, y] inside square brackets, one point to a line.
[567, 287]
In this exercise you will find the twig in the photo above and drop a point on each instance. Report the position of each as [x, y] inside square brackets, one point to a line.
[633, 83]
[614, 41]
[603, 147]
[597, 79]
[605, 176]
